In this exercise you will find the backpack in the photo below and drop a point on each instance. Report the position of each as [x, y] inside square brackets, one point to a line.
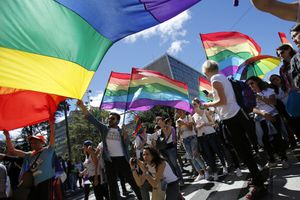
[244, 96]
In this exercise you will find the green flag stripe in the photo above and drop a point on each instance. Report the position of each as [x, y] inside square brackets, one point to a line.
[45, 27]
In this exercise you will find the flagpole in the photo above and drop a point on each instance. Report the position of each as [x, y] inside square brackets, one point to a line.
[126, 103]
[203, 47]
[105, 90]
[104, 94]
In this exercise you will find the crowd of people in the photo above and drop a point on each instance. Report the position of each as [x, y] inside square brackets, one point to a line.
[154, 170]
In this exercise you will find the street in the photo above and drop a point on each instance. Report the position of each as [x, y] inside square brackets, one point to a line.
[282, 184]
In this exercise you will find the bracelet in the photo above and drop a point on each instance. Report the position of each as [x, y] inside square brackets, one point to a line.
[133, 170]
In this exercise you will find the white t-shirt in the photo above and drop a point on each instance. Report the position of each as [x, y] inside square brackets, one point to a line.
[262, 105]
[114, 144]
[137, 142]
[231, 108]
[159, 133]
[90, 166]
[205, 129]
[186, 132]
[282, 96]
[168, 174]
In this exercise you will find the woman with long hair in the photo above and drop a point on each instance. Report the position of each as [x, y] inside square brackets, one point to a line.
[186, 130]
[93, 171]
[281, 93]
[285, 52]
[157, 172]
[269, 118]
[207, 138]
[167, 134]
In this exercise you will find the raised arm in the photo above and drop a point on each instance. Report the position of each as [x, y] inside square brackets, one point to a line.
[100, 126]
[83, 108]
[286, 11]
[221, 93]
[52, 133]
[154, 181]
[11, 148]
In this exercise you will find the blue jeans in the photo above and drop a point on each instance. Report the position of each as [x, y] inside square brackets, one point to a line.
[191, 147]
[171, 154]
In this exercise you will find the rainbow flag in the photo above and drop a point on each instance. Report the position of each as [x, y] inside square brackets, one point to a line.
[204, 84]
[284, 39]
[149, 88]
[138, 128]
[21, 107]
[115, 95]
[229, 49]
[55, 47]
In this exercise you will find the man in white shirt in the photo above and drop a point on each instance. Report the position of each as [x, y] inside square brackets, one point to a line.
[230, 113]
[115, 152]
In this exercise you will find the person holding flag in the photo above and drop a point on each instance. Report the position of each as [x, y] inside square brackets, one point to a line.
[115, 151]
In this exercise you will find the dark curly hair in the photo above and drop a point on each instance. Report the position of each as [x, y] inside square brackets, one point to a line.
[262, 85]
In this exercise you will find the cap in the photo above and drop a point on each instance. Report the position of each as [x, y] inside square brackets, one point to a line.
[87, 143]
[296, 28]
[37, 137]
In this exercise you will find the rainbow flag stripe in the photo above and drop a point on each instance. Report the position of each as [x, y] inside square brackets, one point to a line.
[150, 88]
[55, 46]
[204, 84]
[229, 49]
[138, 128]
[115, 95]
[284, 39]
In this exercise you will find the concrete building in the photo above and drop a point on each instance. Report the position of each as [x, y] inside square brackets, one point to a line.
[177, 70]
[61, 147]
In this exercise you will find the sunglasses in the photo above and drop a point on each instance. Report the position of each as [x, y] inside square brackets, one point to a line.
[112, 118]
[281, 52]
[250, 83]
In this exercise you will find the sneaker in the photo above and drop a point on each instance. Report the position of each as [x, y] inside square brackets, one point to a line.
[256, 193]
[216, 176]
[285, 164]
[199, 178]
[238, 172]
[225, 170]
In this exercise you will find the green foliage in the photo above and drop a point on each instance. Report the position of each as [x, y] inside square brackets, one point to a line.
[80, 130]
[21, 140]
[148, 117]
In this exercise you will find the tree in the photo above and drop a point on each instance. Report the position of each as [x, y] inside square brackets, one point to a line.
[148, 117]
[81, 130]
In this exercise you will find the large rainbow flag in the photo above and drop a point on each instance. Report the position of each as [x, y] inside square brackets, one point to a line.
[115, 95]
[55, 47]
[204, 85]
[149, 88]
[229, 49]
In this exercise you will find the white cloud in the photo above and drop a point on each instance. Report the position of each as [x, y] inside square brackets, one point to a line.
[176, 46]
[96, 100]
[13, 133]
[169, 30]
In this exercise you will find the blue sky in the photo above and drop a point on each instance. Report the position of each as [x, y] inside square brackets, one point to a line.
[180, 38]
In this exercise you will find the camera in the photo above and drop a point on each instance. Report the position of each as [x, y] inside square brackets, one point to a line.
[134, 161]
